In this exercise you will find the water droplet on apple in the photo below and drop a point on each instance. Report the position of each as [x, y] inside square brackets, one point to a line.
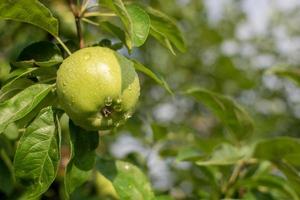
[119, 101]
[87, 56]
[108, 101]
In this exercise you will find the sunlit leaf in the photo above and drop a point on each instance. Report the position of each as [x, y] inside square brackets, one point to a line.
[38, 153]
[139, 23]
[129, 182]
[15, 88]
[15, 75]
[29, 11]
[20, 105]
[135, 20]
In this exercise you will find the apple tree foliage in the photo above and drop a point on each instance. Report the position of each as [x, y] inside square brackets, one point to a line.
[224, 148]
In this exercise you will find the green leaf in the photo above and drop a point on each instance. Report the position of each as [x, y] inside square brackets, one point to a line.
[43, 54]
[114, 30]
[139, 23]
[165, 30]
[4, 70]
[29, 11]
[38, 154]
[129, 182]
[11, 131]
[163, 197]
[20, 105]
[271, 182]
[159, 131]
[104, 188]
[13, 89]
[284, 152]
[189, 154]
[225, 154]
[14, 76]
[291, 173]
[279, 149]
[82, 145]
[135, 20]
[292, 74]
[140, 67]
[6, 178]
[234, 117]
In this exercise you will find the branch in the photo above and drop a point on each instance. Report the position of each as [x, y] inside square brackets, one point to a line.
[79, 32]
[77, 14]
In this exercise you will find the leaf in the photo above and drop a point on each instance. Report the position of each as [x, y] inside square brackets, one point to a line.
[139, 23]
[4, 70]
[234, 117]
[165, 30]
[225, 154]
[12, 89]
[163, 197]
[82, 145]
[43, 54]
[15, 75]
[284, 152]
[189, 154]
[11, 131]
[29, 11]
[271, 182]
[38, 154]
[135, 20]
[129, 182]
[292, 175]
[159, 132]
[104, 188]
[6, 178]
[292, 74]
[20, 105]
[279, 149]
[140, 67]
[114, 30]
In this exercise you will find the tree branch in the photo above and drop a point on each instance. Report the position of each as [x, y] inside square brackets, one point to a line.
[77, 14]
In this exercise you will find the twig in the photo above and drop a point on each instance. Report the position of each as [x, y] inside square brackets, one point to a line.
[79, 32]
[233, 178]
[98, 14]
[77, 15]
[63, 45]
[84, 6]
[90, 22]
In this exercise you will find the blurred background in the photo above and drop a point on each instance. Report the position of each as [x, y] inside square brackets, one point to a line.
[231, 44]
